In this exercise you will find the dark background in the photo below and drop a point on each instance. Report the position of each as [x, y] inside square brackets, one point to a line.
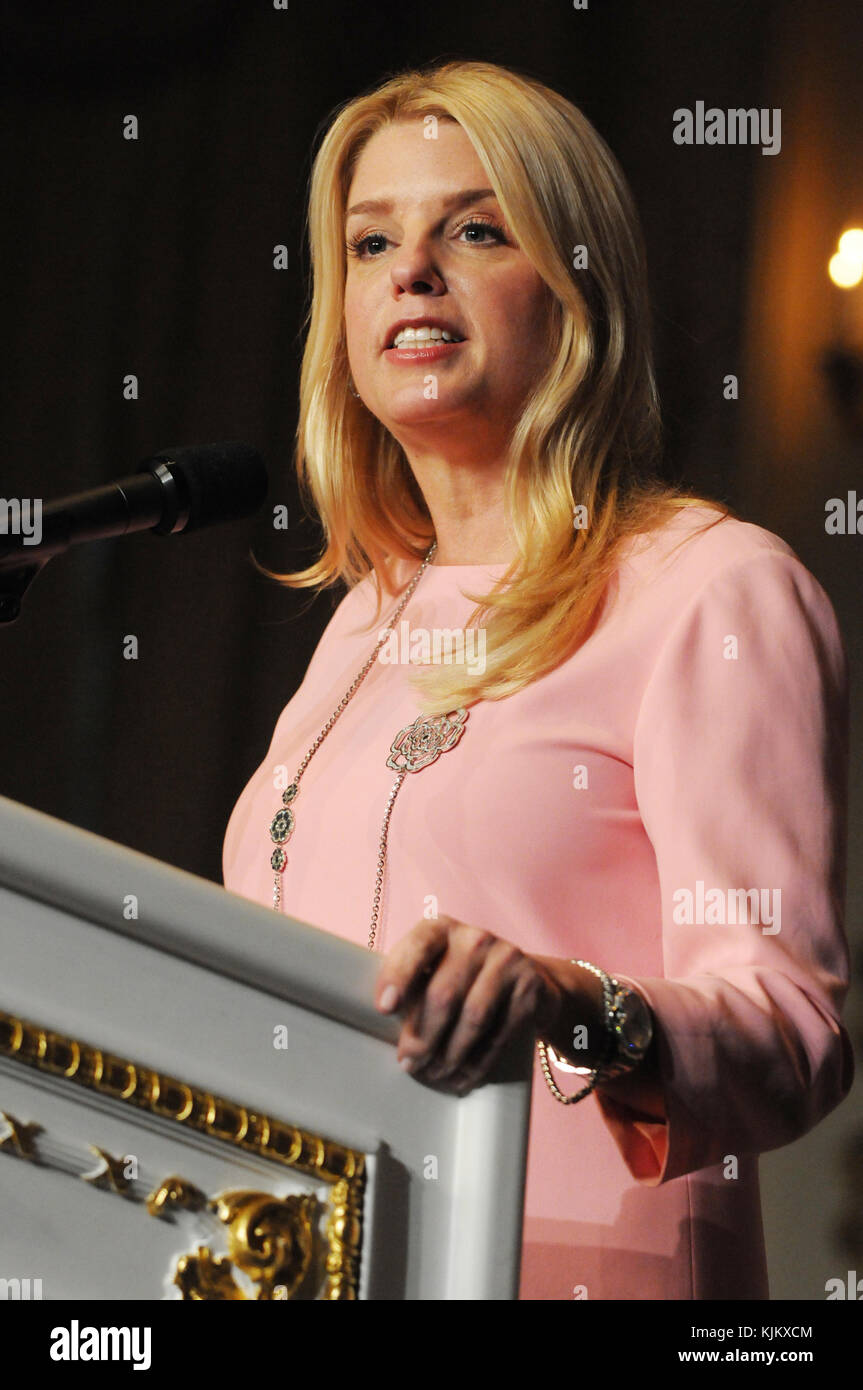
[155, 257]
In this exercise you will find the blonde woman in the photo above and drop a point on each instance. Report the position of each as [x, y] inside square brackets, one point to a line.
[619, 812]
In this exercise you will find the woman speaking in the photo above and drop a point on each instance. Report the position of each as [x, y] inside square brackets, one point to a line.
[572, 749]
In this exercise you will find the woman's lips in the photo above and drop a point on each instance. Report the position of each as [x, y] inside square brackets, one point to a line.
[425, 352]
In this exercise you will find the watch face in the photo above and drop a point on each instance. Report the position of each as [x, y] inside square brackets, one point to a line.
[637, 1027]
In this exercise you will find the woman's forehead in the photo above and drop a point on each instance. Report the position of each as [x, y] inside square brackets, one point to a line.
[399, 162]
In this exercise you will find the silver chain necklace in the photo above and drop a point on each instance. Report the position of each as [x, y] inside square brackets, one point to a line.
[414, 747]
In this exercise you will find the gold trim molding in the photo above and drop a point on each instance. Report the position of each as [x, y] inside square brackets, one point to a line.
[170, 1098]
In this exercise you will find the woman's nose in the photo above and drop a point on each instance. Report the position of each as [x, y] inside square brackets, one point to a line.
[413, 269]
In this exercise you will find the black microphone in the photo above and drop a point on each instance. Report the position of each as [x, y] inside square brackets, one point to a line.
[179, 489]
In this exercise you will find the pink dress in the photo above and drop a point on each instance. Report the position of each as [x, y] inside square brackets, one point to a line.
[696, 744]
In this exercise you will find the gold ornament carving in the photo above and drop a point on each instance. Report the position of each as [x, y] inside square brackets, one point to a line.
[270, 1240]
[175, 1194]
[344, 1232]
[230, 1122]
[206, 1278]
[21, 1137]
[110, 1177]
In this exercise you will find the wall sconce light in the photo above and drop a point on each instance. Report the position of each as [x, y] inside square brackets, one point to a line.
[845, 268]
[842, 363]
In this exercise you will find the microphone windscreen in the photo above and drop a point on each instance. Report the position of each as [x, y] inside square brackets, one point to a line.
[220, 482]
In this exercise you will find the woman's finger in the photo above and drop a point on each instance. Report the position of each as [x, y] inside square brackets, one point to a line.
[413, 958]
[484, 1007]
[439, 1007]
[503, 995]
[476, 1066]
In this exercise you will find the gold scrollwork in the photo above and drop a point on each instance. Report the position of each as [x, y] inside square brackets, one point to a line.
[206, 1278]
[111, 1177]
[20, 1140]
[230, 1122]
[175, 1194]
[270, 1239]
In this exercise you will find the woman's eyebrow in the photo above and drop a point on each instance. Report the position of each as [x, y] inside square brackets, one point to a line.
[450, 203]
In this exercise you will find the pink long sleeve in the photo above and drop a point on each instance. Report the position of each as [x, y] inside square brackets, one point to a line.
[739, 776]
[565, 821]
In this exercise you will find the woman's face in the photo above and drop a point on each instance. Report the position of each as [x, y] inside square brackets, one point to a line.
[429, 245]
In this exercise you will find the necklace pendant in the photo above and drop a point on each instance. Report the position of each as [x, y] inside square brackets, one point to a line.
[281, 826]
[422, 742]
[414, 747]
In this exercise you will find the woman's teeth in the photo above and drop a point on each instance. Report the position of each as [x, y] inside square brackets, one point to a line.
[424, 335]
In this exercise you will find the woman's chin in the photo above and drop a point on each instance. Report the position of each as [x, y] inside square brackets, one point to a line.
[409, 409]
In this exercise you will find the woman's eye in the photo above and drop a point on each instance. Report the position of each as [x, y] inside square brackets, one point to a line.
[356, 246]
[491, 228]
[369, 247]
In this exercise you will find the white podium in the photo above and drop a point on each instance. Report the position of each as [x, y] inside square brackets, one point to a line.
[199, 1101]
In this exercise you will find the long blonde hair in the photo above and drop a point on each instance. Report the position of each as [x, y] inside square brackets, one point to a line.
[589, 434]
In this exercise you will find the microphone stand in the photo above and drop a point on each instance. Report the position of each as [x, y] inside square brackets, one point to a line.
[13, 583]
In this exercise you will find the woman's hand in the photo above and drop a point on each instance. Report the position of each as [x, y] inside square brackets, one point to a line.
[465, 992]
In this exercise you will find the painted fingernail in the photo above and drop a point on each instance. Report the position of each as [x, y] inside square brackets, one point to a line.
[388, 999]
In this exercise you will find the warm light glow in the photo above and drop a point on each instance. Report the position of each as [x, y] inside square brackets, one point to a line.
[851, 243]
[846, 266]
